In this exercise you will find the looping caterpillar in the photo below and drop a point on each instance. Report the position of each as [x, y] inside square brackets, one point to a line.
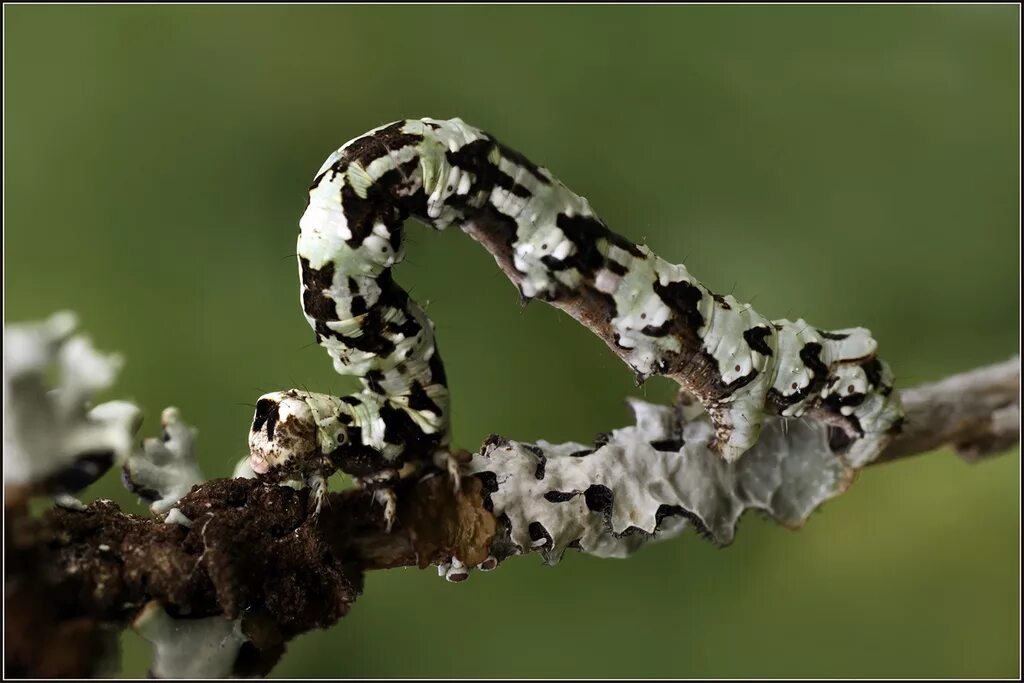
[547, 239]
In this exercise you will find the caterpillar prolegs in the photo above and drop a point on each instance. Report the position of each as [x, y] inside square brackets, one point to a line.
[656, 316]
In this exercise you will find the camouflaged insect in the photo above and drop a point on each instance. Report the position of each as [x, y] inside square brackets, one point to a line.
[741, 366]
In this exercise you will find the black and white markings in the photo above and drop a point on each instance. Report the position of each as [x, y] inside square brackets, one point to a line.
[739, 365]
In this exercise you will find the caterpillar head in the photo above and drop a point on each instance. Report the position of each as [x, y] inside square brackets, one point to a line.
[293, 431]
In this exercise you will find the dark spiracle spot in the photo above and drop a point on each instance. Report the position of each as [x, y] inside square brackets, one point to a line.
[539, 533]
[581, 454]
[599, 498]
[602, 439]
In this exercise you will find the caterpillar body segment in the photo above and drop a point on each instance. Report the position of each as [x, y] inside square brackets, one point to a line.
[655, 315]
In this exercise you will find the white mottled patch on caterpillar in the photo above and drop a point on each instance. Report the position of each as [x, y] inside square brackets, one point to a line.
[741, 366]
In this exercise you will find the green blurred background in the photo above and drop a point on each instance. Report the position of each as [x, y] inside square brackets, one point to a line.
[852, 165]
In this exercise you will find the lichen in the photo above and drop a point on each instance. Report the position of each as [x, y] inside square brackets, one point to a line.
[190, 648]
[165, 469]
[54, 440]
[653, 480]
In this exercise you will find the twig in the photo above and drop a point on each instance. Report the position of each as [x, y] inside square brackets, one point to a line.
[975, 412]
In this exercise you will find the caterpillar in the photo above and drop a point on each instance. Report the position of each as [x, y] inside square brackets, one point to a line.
[547, 239]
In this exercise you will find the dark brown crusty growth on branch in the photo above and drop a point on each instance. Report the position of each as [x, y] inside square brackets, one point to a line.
[252, 549]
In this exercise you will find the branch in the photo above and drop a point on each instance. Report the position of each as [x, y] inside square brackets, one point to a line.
[976, 412]
[253, 552]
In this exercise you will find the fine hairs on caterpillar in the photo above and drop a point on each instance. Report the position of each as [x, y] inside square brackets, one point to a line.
[656, 316]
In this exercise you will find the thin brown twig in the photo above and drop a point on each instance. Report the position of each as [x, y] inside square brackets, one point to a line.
[977, 413]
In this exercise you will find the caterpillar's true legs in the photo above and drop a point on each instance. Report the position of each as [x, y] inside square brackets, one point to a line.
[382, 484]
[451, 463]
[317, 484]
[389, 499]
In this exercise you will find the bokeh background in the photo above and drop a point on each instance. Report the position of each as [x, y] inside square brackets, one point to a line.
[854, 165]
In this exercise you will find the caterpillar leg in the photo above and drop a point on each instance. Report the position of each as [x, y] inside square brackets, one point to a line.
[389, 499]
[451, 462]
[317, 484]
[382, 484]
[737, 427]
